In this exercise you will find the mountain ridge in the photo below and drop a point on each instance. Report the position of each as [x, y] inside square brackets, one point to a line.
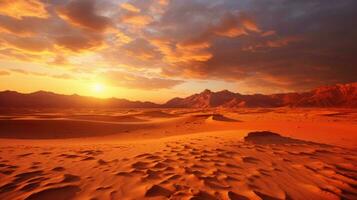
[45, 99]
[339, 95]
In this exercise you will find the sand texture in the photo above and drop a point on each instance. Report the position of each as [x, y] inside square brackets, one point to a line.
[179, 154]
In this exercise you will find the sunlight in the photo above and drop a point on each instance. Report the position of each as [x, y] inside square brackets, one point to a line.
[98, 88]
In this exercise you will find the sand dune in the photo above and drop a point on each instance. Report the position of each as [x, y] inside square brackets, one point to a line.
[52, 129]
[187, 155]
[200, 166]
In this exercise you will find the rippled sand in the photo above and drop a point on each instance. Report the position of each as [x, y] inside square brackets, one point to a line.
[179, 154]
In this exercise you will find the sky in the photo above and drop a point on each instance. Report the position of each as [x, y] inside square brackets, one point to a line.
[158, 49]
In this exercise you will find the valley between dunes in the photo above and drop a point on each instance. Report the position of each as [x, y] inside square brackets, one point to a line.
[178, 154]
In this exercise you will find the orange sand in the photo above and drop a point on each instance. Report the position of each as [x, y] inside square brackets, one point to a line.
[177, 154]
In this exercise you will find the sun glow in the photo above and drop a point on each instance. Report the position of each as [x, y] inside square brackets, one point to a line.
[98, 88]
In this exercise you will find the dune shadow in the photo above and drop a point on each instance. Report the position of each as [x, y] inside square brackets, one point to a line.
[267, 137]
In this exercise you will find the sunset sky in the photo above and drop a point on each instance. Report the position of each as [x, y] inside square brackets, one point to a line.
[158, 49]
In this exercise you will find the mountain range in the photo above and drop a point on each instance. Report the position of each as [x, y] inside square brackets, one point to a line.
[43, 99]
[340, 95]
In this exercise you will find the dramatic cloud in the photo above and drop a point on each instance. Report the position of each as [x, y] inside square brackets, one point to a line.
[23, 8]
[79, 42]
[129, 7]
[26, 26]
[83, 13]
[268, 44]
[135, 19]
[30, 44]
[271, 45]
[128, 80]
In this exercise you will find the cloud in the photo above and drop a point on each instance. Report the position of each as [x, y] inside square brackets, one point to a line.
[24, 27]
[138, 53]
[291, 49]
[16, 55]
[28, 72]
[136, 19]
[273, 43]
[128, 80]
[82, 13]
[79, 42]
[63, 76]
[130, 7]
[193, 33]
[28, 44]
[293, 45]
[4, 73]
[23, 8]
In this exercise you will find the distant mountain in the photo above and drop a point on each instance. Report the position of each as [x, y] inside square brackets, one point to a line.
[340, 95]
[42, 99]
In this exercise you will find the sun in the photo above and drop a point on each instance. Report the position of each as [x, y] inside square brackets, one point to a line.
[98, 87]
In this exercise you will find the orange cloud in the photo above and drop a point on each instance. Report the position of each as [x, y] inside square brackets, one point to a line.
[27, 44]
[229, 26]
[283, 41]
[268, 33]
[188, 51]
[130, 7]
[23, 8]
[273, 43]
[191, 52]
[231, 32]
[141, 49]
[196, 47]
[82, 13]
[24, 27]
[26, 72]
[79, 42]
[123, 38]
[59, 60]
[136, 19]
[163, 2]
[13, 54]
[63, 76]
[4, 73]
[224, 40]
[123, 79]
[250, 25]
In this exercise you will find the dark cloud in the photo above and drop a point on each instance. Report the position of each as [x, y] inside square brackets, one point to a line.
[25, 26]
[33, 34]
[138, 53]
[83, 13]
[282, 44]
[296, 44]
[31, 44]
[79, 42]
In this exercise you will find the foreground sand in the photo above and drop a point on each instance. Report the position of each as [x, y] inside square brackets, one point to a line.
[179, 154]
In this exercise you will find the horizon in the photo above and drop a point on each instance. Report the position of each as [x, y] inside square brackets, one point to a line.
[178, 99]
[157, 50]
[163, 102]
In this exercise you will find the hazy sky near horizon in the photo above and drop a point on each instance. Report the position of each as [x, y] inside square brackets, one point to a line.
[158, 49]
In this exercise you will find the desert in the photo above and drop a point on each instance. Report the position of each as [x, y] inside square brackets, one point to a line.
[179, 154]
[178, 100]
